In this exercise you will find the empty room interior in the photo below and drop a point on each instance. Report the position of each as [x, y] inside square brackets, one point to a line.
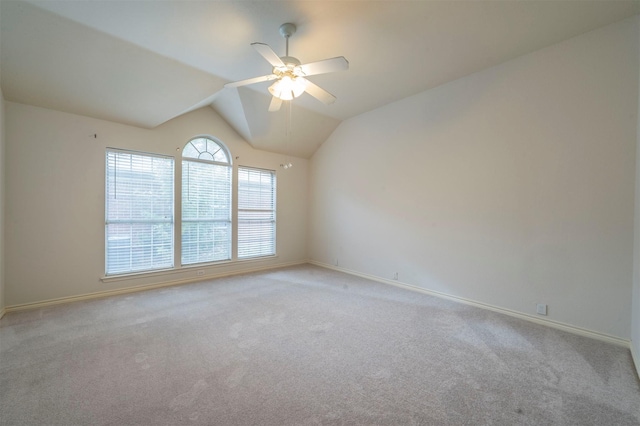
[312, 212]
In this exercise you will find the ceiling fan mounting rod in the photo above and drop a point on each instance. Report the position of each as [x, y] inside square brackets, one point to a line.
[287, 30]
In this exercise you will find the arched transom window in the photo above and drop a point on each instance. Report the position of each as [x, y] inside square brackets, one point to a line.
[204, 148]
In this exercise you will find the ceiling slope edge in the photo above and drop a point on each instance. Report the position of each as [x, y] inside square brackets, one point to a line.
[80, 61]
[226, 103]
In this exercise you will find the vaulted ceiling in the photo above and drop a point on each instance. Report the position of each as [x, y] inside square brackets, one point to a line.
[146, 62]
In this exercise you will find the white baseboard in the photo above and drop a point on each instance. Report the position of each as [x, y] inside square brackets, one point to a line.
[135, 289]
[550, 323]
[636, 357]
[2, 312]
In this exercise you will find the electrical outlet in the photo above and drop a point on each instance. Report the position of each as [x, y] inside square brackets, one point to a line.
[541, 309]
[200, 272]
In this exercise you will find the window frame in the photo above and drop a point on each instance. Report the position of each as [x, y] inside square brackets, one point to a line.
[177, 220]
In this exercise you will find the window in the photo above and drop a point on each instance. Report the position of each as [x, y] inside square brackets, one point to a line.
[256, 212]
[139, 212]
[206, 202]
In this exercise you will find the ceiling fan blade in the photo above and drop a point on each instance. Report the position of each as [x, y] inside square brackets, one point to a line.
[268, 54]
[325, 66]
[251, 81]
[275, 104]
[319, 93]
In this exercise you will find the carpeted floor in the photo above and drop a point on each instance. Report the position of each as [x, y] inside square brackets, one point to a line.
[302, 346]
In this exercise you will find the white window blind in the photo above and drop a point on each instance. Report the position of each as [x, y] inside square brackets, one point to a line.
[139, 212]
[256, 212]
[206, 202]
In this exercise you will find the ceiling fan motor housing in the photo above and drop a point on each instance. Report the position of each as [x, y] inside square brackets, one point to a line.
[290, 60]
[291, 67]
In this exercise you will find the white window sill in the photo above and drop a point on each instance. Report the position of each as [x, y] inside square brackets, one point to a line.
[207, 267]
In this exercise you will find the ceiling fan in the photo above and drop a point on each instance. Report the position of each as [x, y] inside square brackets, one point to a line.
[290, 75]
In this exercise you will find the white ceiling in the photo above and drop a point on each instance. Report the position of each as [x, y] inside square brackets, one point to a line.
[146, 62]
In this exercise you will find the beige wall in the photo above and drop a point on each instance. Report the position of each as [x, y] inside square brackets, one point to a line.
[2, 203]
[635, 317]
[512, 186]
[55, 198]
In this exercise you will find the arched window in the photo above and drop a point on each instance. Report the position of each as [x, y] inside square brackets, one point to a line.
[206, 201]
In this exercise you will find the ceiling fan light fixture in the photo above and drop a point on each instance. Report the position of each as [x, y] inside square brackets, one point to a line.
[299, 86]
[287, 87]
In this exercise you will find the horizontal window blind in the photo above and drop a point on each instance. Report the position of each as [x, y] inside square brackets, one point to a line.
[256, 212]
[139, 212]
[206, 212]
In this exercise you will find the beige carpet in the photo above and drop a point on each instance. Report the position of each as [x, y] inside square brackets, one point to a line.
[302, 346]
